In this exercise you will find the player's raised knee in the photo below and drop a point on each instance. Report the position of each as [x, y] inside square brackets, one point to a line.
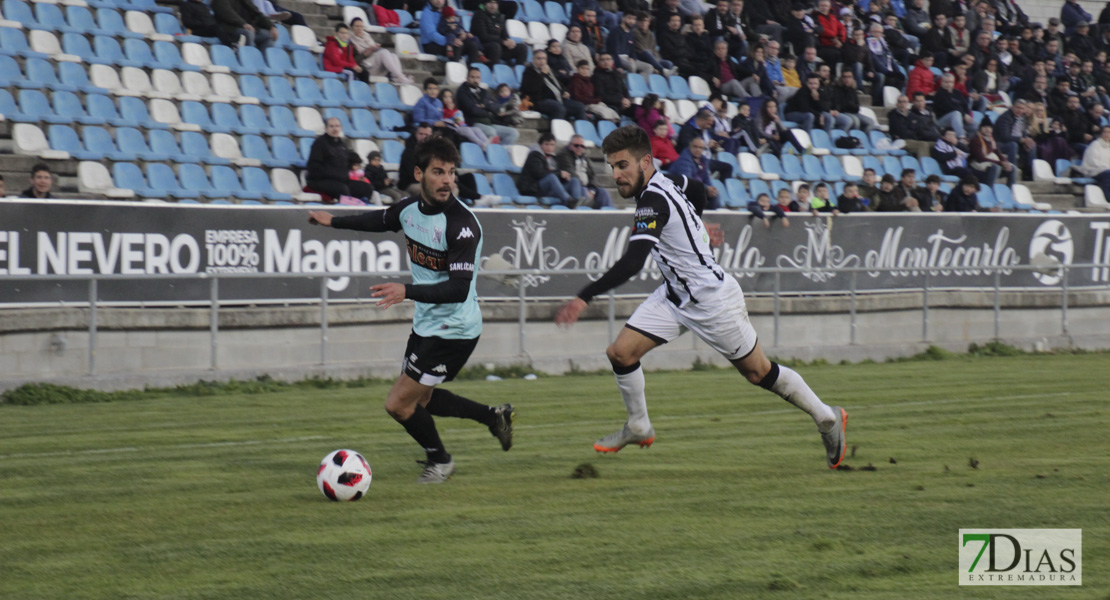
[400, 411]
[620, 356]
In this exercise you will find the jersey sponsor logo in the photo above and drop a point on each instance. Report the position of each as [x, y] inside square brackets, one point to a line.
[465, 233]
[461, 266]
[411, 223]
[439, 369]
[429, 258]
[646, 211]
[645, 225]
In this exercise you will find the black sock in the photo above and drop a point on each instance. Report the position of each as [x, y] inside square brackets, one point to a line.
[422, 428]
[448, 404]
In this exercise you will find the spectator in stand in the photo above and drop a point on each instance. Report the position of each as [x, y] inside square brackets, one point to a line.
[242, 16]
[922, 78]
[856, 54]
[42, 183]
[541, 176]
[429, 108]
[377, 61]
[812, 107]
[478, 108]
[488, 27]
[764, 17]
[831, 35]
[1081, 130]
[787, 203]
[774, 132]
[809, 62]
[406, 181]
[1058, 97]
[884, 66]
[431, 40]
[869, 190]
[773, 66]
[937, 42]
[456, 121]
[702, 129]
[663, 12]
[916, 21]
[761, 206]
[574, 50]
[693, 164]
[1011, 136]
[1081, 42]
[355, 172]
[649, 112]
[737, 80]
[800, 29]
[339, 56]
[506, 108]
[621, 44]
[719, 23]
[952, 158]
[745, 131]
[1071, 14]
[198, 19]
[606, 19]
[1096, 161]
[610, 85]
[1048, 133]
[958, 37]
[963, 197]
[662, 148]
[380, 179]
[922, 123]
[558, 63]
[986, 163]
[930, 198]
[892, 198]
[540, 86]
[1039, 92]
[903, 46]
[847, 203]
[643, 40]
[699, 41]
[845, 97]
[581, 88]
[952, 107]
[326, 171]
[573, 160]
[674, 47]
[989, 83]
[508, 7]
[277, 13]
[592, 34]
[450, 28]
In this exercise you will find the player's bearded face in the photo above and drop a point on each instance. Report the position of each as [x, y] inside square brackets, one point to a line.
[627, 174]
[436, 180]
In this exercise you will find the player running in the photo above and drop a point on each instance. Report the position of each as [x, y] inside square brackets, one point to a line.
[696, 294]
[444, 244]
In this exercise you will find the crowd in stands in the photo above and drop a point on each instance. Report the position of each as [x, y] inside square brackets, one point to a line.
[981, 89]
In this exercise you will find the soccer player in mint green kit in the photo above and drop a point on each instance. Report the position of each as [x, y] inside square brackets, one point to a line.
[444, 245]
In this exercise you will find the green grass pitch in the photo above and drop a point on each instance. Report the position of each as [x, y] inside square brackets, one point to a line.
[174, 497]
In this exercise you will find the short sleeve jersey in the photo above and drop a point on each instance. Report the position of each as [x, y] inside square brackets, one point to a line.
[665, 216]
[442, 243]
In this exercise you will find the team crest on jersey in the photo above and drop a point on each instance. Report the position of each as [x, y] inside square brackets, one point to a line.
[437, 235]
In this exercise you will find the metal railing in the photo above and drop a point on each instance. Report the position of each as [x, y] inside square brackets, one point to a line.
[522, 298]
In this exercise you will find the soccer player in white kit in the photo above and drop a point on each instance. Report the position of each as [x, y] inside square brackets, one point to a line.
[696, 294]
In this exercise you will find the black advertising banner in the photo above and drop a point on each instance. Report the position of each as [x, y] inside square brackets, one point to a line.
[895, 251]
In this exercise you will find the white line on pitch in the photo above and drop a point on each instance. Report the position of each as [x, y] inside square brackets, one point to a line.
[306, 438]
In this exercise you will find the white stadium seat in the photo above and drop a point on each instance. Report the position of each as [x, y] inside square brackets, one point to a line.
[197, 55]
[137, 80]
[304, 36]
[94, 178]
[140, 22]
[456, 74]
[104, 76]
[539, 33]
[309, 118]
[1094, 198]
[1024, 198]
[700, 86]
[409, 94]
[196, 84]
[165, 111]
[562, 130]
[167, 83]
[227, 86]
[285, 181]
[227, 146]
[30, 140]
[750, 164]
[803, 138]
[519, 154]
[47, 43]
[558, 31]
[890, 96]
[852, 165]
[686, 109]
[517, 29]
[406, 45]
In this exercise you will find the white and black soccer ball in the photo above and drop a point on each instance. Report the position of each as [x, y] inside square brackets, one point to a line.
[344, 476]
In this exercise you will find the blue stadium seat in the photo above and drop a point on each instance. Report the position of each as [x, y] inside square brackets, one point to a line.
[162, 142]
[986, 197]
[872, 162]
[51, 18]
[834, 171]
[481, 184]
[865, 144]
[63, 137]
[305, 62]
[487, 75]
[77, 45]
[387, 97]
[604, 128]
[1005, 197]
[254, 117]
[109, 52]
[737, 194]
[555, 13]
[771, 164]
[168, 56]
[169, 25]
[150, 6]
[101, 107]
[75, 76]
[282, 119]
[40, 74]
[725, 157]
[10, 111]
[34, 104]
[198, 181]
[680, 89]
[349, 130]
[336, 91]
[892, 165]
[393, 122]
[910, 162]
[504, 74]
[99, 140]
[658, 85]
[224, 178]
[586, 129]
[162, 179]
[10, 73]
[362, 94]
[16, 10]
[251, 59]
[392, 151]
[779, 185]
[637, 87]
[68, 105]
[252, 85]
[128, 176]
[504, 186]
[792, 168]
[256, 181]
[930, 166]
[530, 10]
[497, 155]
[14, 43]
[195, 146]
[281, 89]
[877, 136]
[138, 52]
[224, 56]
[821, 139]
[225, 115]
[131, 142]
[111, 20]
[197, 114]
[813, 169]
[280, 63]
[81, 21]
[722, 192]
[473, 158]
[255, 147]
[285, 150]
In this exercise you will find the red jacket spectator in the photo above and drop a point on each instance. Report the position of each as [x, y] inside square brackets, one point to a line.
[832, 29]
[337, 57]
[663, 149]
[582, 90]
[921, 80]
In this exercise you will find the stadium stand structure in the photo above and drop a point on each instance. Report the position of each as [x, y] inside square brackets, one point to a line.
[123, 104]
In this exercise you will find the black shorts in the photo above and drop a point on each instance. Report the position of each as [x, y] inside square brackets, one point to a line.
[433, 360]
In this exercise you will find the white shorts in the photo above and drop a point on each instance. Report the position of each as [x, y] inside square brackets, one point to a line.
[719, 318]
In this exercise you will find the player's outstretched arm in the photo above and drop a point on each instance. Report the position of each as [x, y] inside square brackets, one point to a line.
[621, 271]
[319, 217]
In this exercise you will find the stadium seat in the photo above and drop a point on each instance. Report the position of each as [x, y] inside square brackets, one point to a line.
[40, 75]
[128, 176]
[193, 86]
[162, 142]
[473, 157]
[892, 165]
[335, 91]
[879, 138]
[455, 74]
[393, 122]
[349, 130]
[225, 115]
[305, 61]
[47, 43]
[757, 187]
[150, 6]
[504, 74]
[14, 43]
[310, 119]
[771, 164]
[227, 146]
[386, 96]
[538, 33]
[531, 10]
[823, 143]
[64, 138]
[163, 181]
[33, 104]
[586, 129]
[20, 12]
[196, 114]
[285, 181]
[282, 118]
[169, 25]
[225, 178]
[132, 143]
[853, 168]
[872, 162]
[94, 178]
[28, 139]
[304, 37]
[140, 22]
[410, 95]
[281, 64]
[929, 166]
[504, 186]
[12, 112]
[251, 58]
[737, 194]
[281, 89]
[195, 146]
[74, 76]
[392, 151]
[834, 170]
[285, 150]
[255, 147]
[226, 87]
[750, 168]
[658, 85]
[67, 105]
[224, 56]
[256, 181]
[168, 57]
[498, 157]
[10, 73]
[814, 170]
[198, 181]
[792, 168]
[637, 87]
[136, 80]
[99, 140]
[362, 94]
[253, 87]
[163, 114]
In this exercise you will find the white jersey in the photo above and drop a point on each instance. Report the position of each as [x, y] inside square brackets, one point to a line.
[664, 215]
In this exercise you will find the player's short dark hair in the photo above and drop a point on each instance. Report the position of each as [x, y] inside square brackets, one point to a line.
[437, 147]
[39, 167]
[630, 137]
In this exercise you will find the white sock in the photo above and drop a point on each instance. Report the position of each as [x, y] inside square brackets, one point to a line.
[794, 390]
[632, 386]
